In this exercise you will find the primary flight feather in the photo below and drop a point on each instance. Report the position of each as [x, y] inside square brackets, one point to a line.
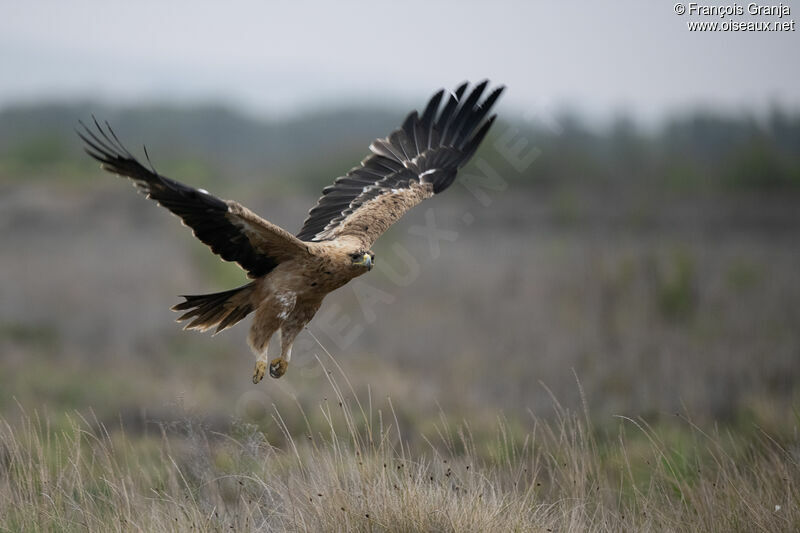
[292, 274]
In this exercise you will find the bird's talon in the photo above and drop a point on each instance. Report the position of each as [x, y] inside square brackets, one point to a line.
[277, 367]
[258, 373]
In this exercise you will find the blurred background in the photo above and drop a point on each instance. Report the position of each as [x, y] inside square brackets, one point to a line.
[631, 224]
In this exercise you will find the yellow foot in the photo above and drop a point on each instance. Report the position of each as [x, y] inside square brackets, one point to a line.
[258, 373]
[277, 367]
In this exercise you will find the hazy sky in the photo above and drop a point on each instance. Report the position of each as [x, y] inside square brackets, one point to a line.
[281, 57]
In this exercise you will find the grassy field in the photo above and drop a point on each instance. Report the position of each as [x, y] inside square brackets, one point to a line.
[606, 342]
[113, 418]
[356, 471]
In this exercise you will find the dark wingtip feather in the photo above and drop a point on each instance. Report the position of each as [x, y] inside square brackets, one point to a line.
[481, 86]
[465, 110]
[444, 120]
[147, 157]
[409, 122]
[432, 107]
[475, 117]
[461, 88]
[116, 141]
[472, 145]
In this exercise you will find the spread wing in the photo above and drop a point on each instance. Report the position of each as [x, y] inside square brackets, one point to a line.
[414, 162]
[232, 231]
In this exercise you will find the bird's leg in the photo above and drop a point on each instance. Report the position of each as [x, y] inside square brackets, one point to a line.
[260, 335]
[260, 371]
[279, 365]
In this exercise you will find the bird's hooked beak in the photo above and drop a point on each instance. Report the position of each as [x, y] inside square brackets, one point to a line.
[365, 260]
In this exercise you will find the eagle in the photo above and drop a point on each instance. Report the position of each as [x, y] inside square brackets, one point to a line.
[292, 274]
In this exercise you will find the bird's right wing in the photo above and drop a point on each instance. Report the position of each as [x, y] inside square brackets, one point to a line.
[232, 231]
[413, 163]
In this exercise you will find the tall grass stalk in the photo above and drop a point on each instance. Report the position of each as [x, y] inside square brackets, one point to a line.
[357, 474]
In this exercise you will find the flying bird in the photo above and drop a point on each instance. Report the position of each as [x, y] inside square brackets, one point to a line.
[291, 274]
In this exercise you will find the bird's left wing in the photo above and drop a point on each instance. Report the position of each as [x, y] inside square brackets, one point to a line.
[413, 163]
[231, 230]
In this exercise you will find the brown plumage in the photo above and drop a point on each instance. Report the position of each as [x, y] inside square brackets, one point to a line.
[292, 274]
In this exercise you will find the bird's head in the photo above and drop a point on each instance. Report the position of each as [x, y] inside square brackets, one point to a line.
[363, 259]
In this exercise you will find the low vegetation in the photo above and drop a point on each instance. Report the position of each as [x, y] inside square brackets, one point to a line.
[357, 473]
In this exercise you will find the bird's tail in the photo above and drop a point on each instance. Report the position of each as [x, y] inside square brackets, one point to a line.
[220, 309]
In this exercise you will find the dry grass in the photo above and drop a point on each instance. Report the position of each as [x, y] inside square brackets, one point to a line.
[359, 474]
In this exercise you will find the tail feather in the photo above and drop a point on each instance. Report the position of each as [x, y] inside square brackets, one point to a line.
[220, 309]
